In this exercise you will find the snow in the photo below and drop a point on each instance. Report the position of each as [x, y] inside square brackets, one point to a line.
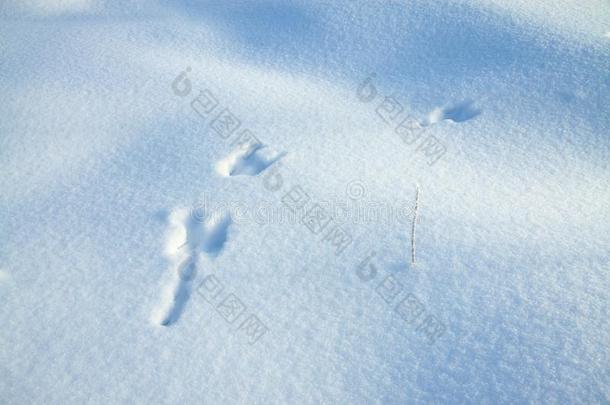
[140, 261]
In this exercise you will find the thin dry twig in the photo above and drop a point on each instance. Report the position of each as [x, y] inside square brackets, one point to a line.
[413, 225]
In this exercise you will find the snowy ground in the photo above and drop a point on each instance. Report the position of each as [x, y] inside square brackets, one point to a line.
[304, 202]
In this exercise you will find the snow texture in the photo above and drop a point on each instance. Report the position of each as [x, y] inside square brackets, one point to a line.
[191, 191]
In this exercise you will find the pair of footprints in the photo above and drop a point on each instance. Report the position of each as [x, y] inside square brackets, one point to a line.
[460, 112]
[192, 237]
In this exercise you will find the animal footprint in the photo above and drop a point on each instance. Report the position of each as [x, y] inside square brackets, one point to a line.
[248, 159]
[460, 112]
[188, 238]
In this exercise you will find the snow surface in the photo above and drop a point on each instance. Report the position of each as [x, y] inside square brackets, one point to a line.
[122, 210]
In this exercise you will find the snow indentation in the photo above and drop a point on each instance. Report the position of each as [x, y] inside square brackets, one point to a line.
[459, 112]
[188, 237]
[248, 160]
